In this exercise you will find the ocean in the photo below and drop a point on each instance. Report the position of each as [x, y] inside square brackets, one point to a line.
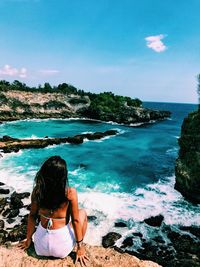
[127, 177]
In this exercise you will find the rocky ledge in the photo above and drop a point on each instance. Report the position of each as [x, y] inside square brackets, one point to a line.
[9, 144]
[188, 163]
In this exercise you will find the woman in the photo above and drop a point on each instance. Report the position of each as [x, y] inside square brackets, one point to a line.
[56, 203]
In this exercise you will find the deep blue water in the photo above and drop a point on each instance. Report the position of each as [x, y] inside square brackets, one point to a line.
[129, 176]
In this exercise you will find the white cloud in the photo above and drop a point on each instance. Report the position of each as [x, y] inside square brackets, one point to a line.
[155, 43]
[49, 72]
[7, 70]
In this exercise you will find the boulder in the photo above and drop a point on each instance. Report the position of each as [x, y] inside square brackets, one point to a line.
[110, 239]
[128, 242]
[91, 218]
[2, 224]
[154, 221]
[20, 195]
[13, 213]
[17, 234]
[15, 202]
[4, 191]
[3, 236]
[120, 224]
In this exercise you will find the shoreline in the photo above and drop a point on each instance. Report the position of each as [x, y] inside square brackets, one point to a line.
[136, 124]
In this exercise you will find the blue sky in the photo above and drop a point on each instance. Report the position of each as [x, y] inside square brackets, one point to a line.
[141, 48]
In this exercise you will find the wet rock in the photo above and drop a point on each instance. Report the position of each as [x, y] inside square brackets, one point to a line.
[16, 203]
[120, 224]
[17, 234]
[111, 132]
[91, 218]
[6, 212]
[24, 219]
[20, 195]
[10, 220]
[3, 202]
[154, 221]
[128, 242]
[184, 242]
[4, 191]
[110, 239]
[8, 138]
[137, 234]
[158, 239]
[195, 230]
[3, 236]
[28, 207]
[1, 184]
[75, 140]
[13, 213]
[2, 224]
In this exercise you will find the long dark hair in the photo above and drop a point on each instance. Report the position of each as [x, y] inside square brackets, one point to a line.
[51, 182]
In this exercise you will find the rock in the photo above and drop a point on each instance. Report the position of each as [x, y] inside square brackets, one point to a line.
[17, 234]
[20, 195]
[188, 163]
[128, 242]
[28, 207]
[91, 218]
[1, 184]
[6, 212]
[184, 243]
[24, 219]
[158, 239]
[7, 138]
[3, 202]
[4, 191]
[75, 140]
[10, 220]
[137, 234]
[13, 213]
[3, 236]
[120, 224]
[195, 230]
[15, 202]
[2, 224]
[154, 221]
[110, 239]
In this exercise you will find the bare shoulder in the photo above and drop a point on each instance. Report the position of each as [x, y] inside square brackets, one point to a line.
[71, 193]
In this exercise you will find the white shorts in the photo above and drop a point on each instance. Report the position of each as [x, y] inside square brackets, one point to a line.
[57, 243]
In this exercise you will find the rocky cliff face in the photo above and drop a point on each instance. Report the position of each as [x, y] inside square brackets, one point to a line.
[16, 104]
[21, 105]
[188, 163]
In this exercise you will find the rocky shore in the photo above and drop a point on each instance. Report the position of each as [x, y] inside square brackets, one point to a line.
[171, 246]
[188, 162]
[13, 225]
[9, 144]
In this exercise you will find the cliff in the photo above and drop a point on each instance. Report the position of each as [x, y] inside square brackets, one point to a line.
[99, 257]
[17, 101]
[188, 163]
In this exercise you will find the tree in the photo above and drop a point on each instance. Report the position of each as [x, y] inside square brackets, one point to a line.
[198, 89]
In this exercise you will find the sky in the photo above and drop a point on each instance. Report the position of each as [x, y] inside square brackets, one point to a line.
[148, 49]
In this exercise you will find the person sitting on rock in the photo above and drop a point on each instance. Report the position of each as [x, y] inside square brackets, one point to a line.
[62, 224]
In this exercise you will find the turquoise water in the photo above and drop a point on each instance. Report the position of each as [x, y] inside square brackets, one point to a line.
[129, 176]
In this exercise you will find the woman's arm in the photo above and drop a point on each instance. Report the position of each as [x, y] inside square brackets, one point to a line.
[75, 215]
[31, 222]
[80, 254]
